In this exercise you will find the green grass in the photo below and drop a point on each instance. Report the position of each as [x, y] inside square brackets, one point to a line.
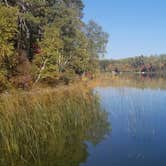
[49, 127]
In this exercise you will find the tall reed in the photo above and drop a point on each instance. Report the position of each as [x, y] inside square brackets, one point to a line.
[49, 127]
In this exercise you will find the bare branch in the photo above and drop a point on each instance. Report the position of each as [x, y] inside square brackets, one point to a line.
[6, 3]
[40, 72]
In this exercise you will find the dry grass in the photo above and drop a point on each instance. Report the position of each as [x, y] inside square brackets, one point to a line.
[49, 126]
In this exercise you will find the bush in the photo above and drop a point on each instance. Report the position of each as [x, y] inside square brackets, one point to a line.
[67, 77]
[22, 81]
[3, 82]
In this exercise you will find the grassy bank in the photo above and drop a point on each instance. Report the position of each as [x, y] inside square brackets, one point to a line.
[48, 127]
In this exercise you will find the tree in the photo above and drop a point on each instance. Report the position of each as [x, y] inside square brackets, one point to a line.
[33, 16]
[97, 42]
[137, 62]
[104, 65]
[64, 46]
[98, 39]
[51, 37]
[49, 60]
[75, 42]
[8, 30]
[77, 5]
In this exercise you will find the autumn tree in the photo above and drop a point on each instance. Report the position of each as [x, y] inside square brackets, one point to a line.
[8, 31]
[50, 37]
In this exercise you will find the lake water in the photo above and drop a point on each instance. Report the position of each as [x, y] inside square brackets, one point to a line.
[137, 116]
[122, 122]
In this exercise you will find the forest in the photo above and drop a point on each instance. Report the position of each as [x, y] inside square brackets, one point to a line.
[47, 41]
[144, 64]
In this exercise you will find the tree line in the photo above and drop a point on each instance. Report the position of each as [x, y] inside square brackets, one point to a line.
[151, 64]
[47, 41]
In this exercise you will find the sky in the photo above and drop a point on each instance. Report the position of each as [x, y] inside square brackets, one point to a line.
[135, 27]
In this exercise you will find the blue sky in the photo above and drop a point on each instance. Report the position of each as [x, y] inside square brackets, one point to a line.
[135, 26]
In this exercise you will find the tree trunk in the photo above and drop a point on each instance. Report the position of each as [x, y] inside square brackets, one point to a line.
[40, 72]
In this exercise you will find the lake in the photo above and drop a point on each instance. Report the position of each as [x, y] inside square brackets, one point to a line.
[136, 109]
[119, 122]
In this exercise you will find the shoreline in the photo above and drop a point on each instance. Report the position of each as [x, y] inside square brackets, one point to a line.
[104, 80]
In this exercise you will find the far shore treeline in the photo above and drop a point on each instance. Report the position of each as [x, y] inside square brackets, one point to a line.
[47, 41]
[141, 64]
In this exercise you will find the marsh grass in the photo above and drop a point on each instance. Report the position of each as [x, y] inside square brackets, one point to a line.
[49, 127]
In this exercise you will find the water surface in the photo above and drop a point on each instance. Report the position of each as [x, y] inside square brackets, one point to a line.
[137, 114]
[119, 123]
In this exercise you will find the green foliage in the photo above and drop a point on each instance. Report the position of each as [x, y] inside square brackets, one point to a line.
[8, 29]
[3, 81]
[98, 39]
[52, 46]
[153, 63]
[52, 36]
[104, 65]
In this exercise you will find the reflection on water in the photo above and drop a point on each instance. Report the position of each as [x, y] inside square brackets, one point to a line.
[75, 131]
[137, 112]
[151, 81]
